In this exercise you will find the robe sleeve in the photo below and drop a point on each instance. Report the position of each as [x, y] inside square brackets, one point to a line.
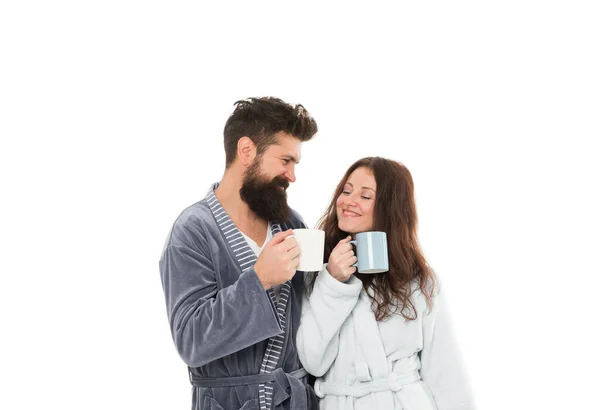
[442, 366]
[323, 313]
[207, 324]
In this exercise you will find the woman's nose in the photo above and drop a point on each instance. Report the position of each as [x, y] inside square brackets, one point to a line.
[350, 201]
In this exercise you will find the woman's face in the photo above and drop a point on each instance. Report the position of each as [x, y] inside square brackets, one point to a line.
[356, 203]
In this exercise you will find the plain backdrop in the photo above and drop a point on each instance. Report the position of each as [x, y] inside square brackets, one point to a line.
[111, 118]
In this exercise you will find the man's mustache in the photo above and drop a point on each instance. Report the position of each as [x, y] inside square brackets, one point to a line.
[282, 182]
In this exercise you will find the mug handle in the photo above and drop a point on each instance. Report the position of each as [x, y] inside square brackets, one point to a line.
[355, 264]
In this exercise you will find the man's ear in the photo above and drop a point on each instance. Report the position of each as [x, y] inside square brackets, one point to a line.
[246, 151]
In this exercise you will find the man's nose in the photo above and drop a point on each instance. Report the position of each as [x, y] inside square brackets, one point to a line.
[290, 174]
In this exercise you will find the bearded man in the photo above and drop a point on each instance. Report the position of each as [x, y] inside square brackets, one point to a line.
[229, 274]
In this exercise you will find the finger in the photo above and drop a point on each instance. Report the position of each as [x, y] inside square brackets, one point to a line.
[348, 262]
[294, 252]
[280, 237]
[289, 243]
[346, 253]
[343, 241]
[344, 248]
[293, 266]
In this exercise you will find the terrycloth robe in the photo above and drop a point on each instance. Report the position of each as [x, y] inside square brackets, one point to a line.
[221, 317]
[363, 364]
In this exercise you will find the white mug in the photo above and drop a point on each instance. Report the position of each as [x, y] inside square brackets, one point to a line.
[312, 248]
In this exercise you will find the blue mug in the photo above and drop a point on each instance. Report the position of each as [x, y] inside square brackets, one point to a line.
[371, 252]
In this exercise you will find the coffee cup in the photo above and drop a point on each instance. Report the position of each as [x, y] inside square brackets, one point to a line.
[371, 252]
[312, 248]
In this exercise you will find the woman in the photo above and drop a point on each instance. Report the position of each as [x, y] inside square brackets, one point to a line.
[379, 341]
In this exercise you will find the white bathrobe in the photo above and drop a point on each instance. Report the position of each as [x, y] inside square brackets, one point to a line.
[392, 364]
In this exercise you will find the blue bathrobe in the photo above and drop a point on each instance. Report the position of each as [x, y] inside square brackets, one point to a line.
[237, 339]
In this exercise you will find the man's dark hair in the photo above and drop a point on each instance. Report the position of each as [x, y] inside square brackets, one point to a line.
[260, 119]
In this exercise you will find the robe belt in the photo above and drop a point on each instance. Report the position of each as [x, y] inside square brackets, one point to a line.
[285, 385]
[394, 383]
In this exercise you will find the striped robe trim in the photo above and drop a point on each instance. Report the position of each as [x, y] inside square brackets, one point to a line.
[246, 258]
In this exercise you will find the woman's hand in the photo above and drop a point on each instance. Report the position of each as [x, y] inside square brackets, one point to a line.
[341, 260]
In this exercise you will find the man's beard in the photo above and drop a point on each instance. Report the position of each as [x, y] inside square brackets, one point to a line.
[265, 198]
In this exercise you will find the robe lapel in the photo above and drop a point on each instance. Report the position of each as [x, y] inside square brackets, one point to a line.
[246, 258]
[371, 361]
[244, 255]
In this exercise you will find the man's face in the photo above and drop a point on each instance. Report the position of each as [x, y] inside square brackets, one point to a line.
[266, 180]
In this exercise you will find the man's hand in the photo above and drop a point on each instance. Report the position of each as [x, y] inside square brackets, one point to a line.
[278, 260]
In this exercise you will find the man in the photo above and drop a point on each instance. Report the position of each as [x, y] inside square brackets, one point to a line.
[228, 269]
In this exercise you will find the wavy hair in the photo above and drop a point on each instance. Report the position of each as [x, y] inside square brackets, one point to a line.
[395, 214]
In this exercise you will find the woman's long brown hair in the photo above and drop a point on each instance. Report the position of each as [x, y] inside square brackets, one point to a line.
[395, 214]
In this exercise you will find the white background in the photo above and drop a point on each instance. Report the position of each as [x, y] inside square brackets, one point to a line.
[111, 117]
